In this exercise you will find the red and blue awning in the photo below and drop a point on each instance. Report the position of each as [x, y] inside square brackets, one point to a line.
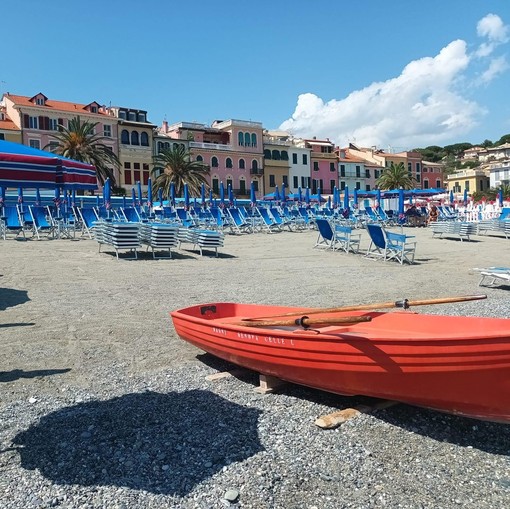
[26, 167]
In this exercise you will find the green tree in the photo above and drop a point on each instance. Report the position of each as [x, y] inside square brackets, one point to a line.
[80, 142]
[394, 177]
[177, 167]
[504, 139]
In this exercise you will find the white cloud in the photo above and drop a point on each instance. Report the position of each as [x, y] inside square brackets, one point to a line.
[425, 105]
[496, 32]
[496, 67]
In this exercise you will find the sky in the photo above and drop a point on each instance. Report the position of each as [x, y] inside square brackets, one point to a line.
[395, 74]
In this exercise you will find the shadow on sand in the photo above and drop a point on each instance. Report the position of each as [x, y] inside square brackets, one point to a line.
[485, 436]
[161, 443]
[15, 374]
[10, 298]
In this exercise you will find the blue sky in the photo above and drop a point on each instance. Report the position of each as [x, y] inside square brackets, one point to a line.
[399, 74]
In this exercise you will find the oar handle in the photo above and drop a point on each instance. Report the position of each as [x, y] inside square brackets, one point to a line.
[303, 321]
[405, 303]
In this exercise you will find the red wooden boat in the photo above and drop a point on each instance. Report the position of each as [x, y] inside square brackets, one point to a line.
[459, 365]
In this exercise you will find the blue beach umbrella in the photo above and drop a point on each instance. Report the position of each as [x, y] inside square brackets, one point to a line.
[400, 202]
[355, 197]
[328, 204]
[172, 194]
[107, 195]
[452, 198]
[211, 197]
[465, 196]
[222, 194]
[276, 193]
[300, 194]
[253, 196]
[202, 194]
[139, 186]
[186, 196]
[284, 198]
[307, 196]
[149, 194]
[230, 195]
[500, 197]
[346, 198]
[133, 196]
[160, 196]
[319, 197]
[37, 197]
[378, 197]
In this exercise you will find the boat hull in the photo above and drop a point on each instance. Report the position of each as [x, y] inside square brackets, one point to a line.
[459, 365]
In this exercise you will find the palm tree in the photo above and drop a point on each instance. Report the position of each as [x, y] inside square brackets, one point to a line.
[178, 169]
[80, 142]
[395, 177]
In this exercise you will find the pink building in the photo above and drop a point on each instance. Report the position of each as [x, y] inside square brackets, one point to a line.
[324, 165]
[233, 149]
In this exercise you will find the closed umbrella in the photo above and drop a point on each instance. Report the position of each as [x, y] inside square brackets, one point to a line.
[378, 197]
[186, 196]
[37, 197]
[253, 197]
[328, 204]
[230, 195]
[211, 198]
[133, 196]
[222, 194]
[300, 194]
[149, 194]
[500, 197]
[452, 198]
[355, 197]
[307, 196]
[400, 202]
[107, 196]
[202, 194]
[465, 196]
[172, 194]
[284, 198]
[346, 198]
[139, 201]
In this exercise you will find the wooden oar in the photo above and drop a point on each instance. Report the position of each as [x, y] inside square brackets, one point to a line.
[304, 321]
[381, 305]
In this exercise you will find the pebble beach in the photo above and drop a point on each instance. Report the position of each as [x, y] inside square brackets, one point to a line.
[103, 406]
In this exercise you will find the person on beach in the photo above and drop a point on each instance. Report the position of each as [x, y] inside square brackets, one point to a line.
[433, 214]
[414, 217]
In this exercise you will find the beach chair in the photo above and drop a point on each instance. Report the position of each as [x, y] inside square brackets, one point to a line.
[237, 223]
[400, 247]
[88, 221]
[346, 240]
[12, 222]
[326, 237]
[41, 219]
[280, 221]
[493, 276]
[269, 224]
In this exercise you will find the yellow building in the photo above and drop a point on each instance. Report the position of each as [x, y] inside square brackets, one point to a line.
[470, 180]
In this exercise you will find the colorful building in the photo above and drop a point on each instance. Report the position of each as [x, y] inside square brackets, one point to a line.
[323, 164]
[432, 175]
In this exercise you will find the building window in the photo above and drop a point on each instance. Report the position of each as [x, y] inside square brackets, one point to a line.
[200, 158]
[376, 174]
[358, 186]
[214, 162]
[272, 182]
[294, 158]
[241, 164]
[34, 144]
[53, 146]
[107, 131]
[418, 177]
[295, 182]
[228, 163]
[316, 166]
[253, 140]
[242, 186]
[342, 170]
[276, 155]
[285, 179]
[132, 116]
[53, 124]
[215, 185]
[367, 187]
[240, 139]
[425, 184]
[332, 167]
[124, 137]
[255, 185]
[418, 167]
[438, 184]
[2, 136]
[40, 101]
[305, 158]
[141, 117]
[254, 165]
[409, 168]
[247, 139]
[122, 114]
[33, 122]
[332, 184]
[466, 185]
[267, 154]
[285, 155]
[144, 139]
[135, 138]
[127, 173]
[342, 186]
[358, 171]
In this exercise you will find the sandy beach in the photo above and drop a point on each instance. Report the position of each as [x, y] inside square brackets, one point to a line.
[79, 328]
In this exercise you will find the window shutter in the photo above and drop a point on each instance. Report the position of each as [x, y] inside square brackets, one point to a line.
[26, 121]
[41, 122]
[60, 123]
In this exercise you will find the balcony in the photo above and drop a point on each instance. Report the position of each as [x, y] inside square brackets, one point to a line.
[209, 146]
[256, 171]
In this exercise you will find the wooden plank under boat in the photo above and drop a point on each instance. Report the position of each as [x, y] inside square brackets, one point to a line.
[455, 364]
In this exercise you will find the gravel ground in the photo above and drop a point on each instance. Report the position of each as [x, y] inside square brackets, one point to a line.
[102, 406]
